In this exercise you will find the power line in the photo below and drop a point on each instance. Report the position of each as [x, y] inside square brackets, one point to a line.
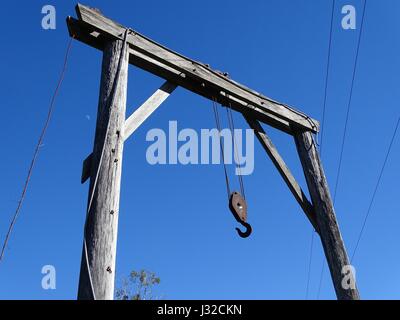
[345, 126]
[327, 78]
[37, 149]
[321, 277]
[376, 188]
[322, 129]
[349, 103]
[309, 265]
[345, 129]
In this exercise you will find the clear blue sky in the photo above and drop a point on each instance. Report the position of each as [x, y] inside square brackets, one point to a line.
[278, 47]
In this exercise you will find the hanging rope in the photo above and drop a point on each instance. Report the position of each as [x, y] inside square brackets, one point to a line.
[234, 145]
[217, 122]
[232, 129]
[236, 200]
[37, 149]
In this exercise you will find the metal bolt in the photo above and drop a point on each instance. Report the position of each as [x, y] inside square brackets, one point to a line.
[112, 212]
[113, 150]
[109, 270]
[115, 160]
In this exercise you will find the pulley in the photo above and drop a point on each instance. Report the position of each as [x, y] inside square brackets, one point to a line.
[238, 207]
[237, 201]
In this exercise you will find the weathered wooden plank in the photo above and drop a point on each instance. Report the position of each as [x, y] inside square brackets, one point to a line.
[86, 167]
[195, 76]
[78, 30]
[135, 120]
[284, 171]
[331, 238]
[147, 108]
[273, 120]
[101, 226]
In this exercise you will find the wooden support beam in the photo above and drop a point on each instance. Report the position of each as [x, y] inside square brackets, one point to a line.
[104, 34]
[135, 120]
[331, 238]
[86, 168]
[101, 227]
[94, 29]
[283, 170]
[147, 108]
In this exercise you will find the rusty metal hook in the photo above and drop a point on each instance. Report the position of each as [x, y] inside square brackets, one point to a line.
[238, 207]
[246, 233]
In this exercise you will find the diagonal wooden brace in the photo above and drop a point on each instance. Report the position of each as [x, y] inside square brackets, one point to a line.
[136, 119]
[283, 170]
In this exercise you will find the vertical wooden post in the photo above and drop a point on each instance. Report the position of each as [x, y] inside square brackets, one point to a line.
[331, 238]
[102, 220]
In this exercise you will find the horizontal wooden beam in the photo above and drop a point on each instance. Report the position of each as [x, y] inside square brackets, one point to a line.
[283, 170]
[94, 29]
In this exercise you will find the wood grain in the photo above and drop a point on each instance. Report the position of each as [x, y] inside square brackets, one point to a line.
[284, 171]
[102, 220]
[190, 74]
[331, 238]
[147, 108]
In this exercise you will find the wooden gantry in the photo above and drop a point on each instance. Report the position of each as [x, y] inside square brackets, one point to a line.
[122, 46]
